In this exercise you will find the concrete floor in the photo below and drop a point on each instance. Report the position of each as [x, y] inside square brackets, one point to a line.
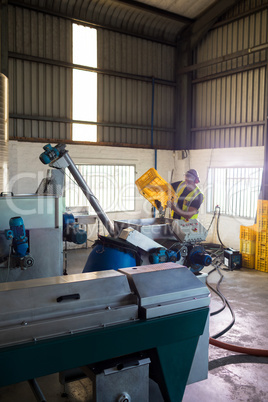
[232, 376]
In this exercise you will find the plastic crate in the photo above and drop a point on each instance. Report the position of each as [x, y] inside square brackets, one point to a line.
[248, 232]
[262, 237]
[154, 188]
[262, 222]
[261, 264]
[247, 246]
[248, 260]
[262, 207]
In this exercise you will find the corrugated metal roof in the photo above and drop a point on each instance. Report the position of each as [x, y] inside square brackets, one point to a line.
[190, 8]
[160, 20]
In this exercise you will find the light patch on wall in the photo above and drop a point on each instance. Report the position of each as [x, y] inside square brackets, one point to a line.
[84, 83]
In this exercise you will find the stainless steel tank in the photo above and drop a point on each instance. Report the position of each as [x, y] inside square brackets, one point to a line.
[3, 133]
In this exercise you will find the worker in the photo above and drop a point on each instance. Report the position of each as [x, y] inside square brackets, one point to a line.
[189, 196]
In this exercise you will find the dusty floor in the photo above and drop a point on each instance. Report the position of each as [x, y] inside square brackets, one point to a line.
[232, 376]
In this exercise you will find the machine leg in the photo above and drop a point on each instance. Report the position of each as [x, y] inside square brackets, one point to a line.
[171, 365]
[37, 390]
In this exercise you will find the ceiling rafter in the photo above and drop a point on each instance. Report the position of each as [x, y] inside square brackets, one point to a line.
[155, 10]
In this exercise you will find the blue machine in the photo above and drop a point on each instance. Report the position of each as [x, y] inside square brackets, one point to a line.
[108, 253]
[20, 245]
[163, 255]
[20, 240]
[71, 230]
[198, 258]
[50, 154]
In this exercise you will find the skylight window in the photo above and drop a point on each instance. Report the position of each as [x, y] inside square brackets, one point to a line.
[84, 83]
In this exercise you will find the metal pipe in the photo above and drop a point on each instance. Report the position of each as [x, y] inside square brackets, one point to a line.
[36, 390]
[88, 193]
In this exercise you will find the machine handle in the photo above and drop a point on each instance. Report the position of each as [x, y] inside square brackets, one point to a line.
[3, 194]
[74, 296]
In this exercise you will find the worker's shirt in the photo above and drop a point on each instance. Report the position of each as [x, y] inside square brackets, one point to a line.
[195, 203]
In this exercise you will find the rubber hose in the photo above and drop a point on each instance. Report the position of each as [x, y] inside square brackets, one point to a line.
[239, 349]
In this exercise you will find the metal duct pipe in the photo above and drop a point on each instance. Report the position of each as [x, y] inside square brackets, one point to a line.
[89, 195]
[3, 132]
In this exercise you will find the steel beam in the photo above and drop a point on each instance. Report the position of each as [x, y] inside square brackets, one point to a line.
[228, 73]
[90, 24]
[53, 119]
[65, 64]
[264, 186]
[183, 97]
[199, 29]
[4, 37]
[221, 59]
[157, 11]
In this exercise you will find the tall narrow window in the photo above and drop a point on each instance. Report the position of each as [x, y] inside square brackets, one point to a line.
[235, 190]
[84, 83]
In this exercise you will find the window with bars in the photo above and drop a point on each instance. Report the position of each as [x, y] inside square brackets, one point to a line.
[112, 185]
[235, 190]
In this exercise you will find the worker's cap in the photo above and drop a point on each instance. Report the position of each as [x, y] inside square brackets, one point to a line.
[193, 175]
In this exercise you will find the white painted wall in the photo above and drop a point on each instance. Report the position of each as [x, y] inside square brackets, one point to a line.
[26, 171]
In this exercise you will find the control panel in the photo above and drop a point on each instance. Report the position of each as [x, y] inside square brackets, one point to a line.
[189, 231]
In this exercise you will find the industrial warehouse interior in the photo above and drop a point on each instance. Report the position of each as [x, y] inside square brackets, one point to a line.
[133, 200]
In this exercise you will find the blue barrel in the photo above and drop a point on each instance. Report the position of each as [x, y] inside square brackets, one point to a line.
[104, 257]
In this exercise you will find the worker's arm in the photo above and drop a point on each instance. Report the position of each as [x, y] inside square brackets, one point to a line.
[185, 214]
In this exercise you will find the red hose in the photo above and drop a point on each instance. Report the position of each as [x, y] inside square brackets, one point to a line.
[239, 349]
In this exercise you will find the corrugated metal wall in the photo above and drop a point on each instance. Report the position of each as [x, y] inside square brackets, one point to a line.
[128, 101]
[229, 96]
[40, 57]
[40, 93]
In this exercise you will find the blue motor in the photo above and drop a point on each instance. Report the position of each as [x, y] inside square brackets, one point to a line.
[20, 240]
[20, 243]
[71, 230]
[198, 258]
[50, 154]
[161, 255]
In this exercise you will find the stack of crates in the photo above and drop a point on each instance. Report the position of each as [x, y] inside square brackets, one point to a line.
[248, 245]
[261, 262]
[154, 188]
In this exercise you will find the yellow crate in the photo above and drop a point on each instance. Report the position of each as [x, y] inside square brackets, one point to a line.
[262, 237]
[261, 264]
[248, 260]
[248, 232]
[154, 188]
[262, 250]
[262, 222]
[247, 246]
[262, 207]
